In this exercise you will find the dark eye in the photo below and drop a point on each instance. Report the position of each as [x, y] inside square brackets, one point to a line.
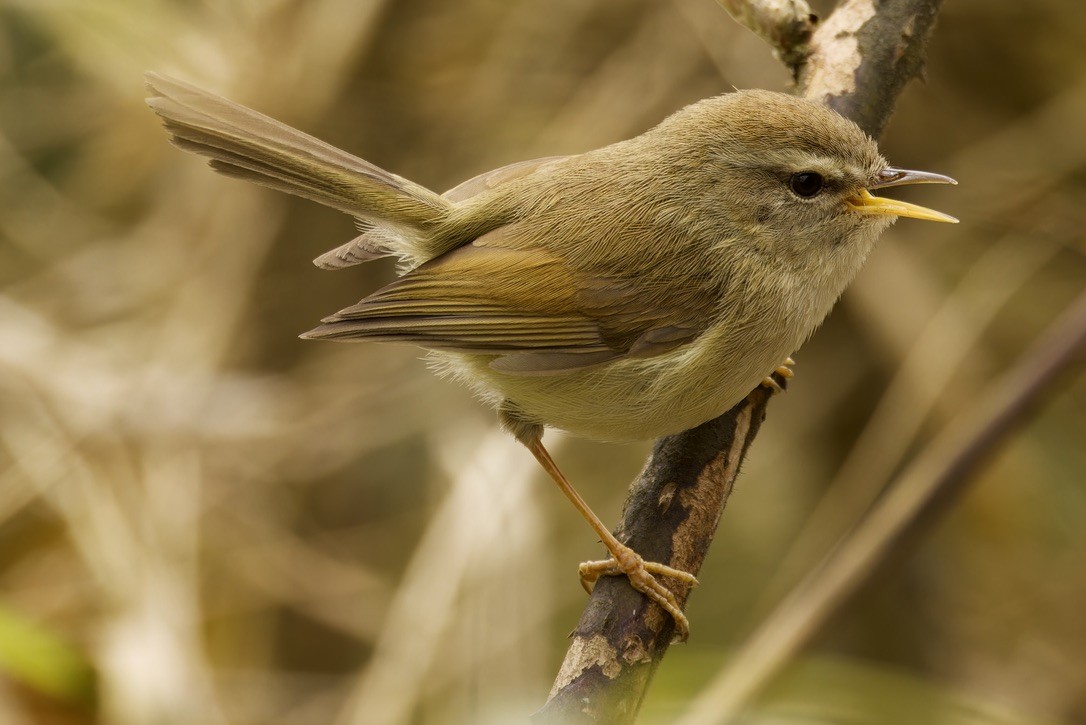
[806, 184]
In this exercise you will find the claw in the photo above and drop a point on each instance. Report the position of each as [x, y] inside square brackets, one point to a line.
[642, 575]
[784, 371]
[772, 384]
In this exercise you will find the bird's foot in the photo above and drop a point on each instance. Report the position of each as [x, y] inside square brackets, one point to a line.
[642, 575]
[785, 371]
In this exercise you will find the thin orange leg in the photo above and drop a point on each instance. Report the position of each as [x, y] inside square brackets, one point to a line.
[624, 560]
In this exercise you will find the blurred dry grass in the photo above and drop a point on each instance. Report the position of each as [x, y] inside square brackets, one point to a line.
[204, 519]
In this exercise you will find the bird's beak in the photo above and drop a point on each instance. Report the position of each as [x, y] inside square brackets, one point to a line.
[867, 203]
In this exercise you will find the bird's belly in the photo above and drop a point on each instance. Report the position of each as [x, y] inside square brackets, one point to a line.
[635, 399]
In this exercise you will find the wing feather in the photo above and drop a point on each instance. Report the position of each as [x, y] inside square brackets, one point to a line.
[526, 307]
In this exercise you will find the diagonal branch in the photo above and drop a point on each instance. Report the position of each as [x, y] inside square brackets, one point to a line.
[859, 62]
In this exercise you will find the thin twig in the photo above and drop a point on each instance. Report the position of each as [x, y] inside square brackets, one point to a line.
[922, 380]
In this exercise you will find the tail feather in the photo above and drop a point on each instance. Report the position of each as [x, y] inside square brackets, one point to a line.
[281, 177]
[371, 244]
[249, 145]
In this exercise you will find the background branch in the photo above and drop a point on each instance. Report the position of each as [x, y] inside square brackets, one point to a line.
[860, 59]
[913, 500]
[785, 24]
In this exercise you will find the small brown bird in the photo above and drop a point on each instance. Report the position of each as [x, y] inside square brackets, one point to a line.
[629, 292]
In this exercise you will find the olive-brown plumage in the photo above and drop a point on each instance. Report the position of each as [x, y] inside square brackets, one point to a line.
[628, 292]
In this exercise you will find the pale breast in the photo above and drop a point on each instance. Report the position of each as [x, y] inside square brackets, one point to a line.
[637, 399]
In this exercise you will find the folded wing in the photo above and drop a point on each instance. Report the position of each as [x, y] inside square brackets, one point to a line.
[526, 307]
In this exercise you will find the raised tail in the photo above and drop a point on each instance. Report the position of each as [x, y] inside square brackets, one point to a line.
[243, 143]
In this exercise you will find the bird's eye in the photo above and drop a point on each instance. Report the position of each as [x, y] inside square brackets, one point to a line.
[806, 184]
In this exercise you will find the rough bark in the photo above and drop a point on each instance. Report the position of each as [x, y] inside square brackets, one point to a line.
[864, 54]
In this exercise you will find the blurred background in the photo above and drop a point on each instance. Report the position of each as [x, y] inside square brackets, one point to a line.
[204, 519]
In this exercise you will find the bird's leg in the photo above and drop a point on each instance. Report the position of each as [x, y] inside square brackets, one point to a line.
[784, 370]
[624, 560]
